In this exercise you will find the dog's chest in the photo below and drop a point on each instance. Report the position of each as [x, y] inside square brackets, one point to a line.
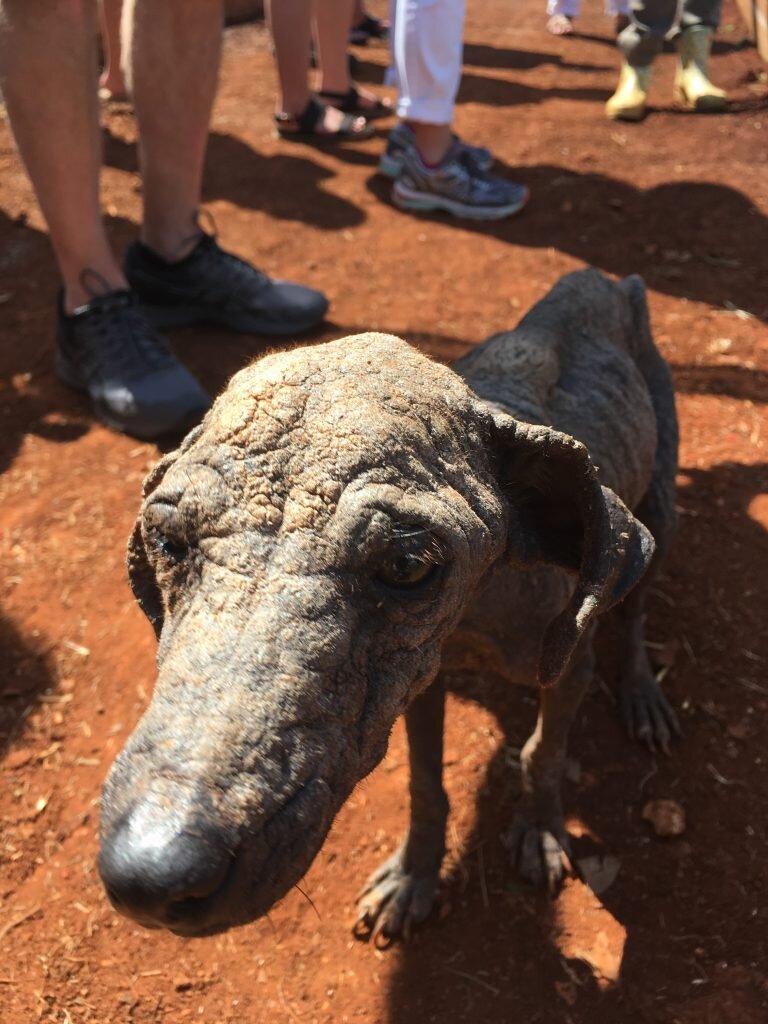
[501, 631]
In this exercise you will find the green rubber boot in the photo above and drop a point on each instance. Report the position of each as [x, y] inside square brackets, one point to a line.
[628, 102]
[692, 85]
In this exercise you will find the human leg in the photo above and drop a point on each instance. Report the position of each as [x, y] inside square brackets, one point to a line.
[290, 22]
[179, 271]
[438, 171]
[111, 82]
[560, 16]
[698, 23]
[56, 127]
[640, 42]
[332, 20]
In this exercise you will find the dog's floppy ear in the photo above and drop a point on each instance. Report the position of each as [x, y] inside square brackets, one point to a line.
[560, 514]
[140, 572]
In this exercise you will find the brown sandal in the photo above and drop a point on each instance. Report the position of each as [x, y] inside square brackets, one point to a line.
[306, 126]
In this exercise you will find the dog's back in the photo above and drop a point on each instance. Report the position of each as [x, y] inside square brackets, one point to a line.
[583, 361]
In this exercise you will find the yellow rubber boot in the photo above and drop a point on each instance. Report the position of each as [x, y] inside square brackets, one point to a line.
[692, 86]
[628, 102]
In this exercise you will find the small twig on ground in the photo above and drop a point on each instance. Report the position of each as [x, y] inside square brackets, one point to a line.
[722, 779]
[477, 981]
[749, 685]
[647, 778]
[18, 920]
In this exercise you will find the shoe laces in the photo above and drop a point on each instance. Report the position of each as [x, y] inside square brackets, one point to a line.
[222, 267]
[125, 340]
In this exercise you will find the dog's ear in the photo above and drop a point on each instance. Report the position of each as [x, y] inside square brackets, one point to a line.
[561, 515]
[141, 574]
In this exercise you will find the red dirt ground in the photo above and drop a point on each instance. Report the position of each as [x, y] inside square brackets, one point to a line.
[682, 200]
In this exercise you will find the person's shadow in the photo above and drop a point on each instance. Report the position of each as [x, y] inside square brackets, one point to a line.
[32, 401]
[490, 952]
[25, 674]
[693, 240]
[286, 186]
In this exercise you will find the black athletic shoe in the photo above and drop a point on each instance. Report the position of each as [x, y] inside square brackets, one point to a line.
[212, 286]
[109, 349]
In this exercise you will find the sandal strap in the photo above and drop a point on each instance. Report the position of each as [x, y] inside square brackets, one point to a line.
[308, 120]
[347, 102]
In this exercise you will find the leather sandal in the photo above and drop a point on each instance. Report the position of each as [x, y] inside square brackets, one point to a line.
[350, 102]
[305, 127]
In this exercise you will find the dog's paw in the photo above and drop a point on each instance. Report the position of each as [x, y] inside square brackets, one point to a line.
[393, 900]
[648, 715]
[539, 850]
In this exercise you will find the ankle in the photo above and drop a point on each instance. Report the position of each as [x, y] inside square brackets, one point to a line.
[432, 141]
[76, 294]
[171, 247]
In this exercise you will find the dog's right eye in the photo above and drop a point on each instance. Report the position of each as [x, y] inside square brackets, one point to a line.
[165, 531]
[174, 550]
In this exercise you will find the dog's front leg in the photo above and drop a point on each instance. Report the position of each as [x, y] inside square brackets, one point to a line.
[537, 840]
[402, 891]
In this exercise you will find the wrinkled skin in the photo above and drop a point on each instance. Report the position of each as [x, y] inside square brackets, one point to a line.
[304, 556]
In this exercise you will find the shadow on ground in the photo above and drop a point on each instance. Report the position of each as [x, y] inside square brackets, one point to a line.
[286, 186]
[32, 401]
[689, 239]
[25, 674]
[490, 954]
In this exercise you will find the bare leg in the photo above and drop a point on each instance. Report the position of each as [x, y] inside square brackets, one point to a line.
[332, 19]
[174, 50]
[432, 140]
[290, 24]
[537, 839]
[112, 80]
[56, 125]
[402, 891]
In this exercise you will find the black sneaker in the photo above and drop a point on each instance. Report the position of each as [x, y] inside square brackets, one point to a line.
[215, 287]
[109, 349]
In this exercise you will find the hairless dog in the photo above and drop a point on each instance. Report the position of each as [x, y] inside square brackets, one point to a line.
[346, 516]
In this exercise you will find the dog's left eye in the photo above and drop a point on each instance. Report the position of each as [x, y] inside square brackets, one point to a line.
[407, 570]
[415, 558]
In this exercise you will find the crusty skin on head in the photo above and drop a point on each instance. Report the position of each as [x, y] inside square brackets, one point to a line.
[306, 555]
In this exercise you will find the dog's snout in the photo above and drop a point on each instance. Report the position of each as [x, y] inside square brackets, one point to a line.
[163, 870]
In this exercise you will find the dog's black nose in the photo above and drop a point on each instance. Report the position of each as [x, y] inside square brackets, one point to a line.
[163, 868]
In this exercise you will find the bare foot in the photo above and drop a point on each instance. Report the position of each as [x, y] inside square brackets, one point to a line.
[112, 88]
[560, 25]
[369, 101]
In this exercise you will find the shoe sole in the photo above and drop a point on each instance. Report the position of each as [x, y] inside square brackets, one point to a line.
[702, 104]
[632, 114]
[407, 199]
[70, 376]
[167, 317]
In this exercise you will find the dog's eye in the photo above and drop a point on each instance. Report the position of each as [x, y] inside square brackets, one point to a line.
[166, 531]
[407, 570]
[415, 557]
[174, 550]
